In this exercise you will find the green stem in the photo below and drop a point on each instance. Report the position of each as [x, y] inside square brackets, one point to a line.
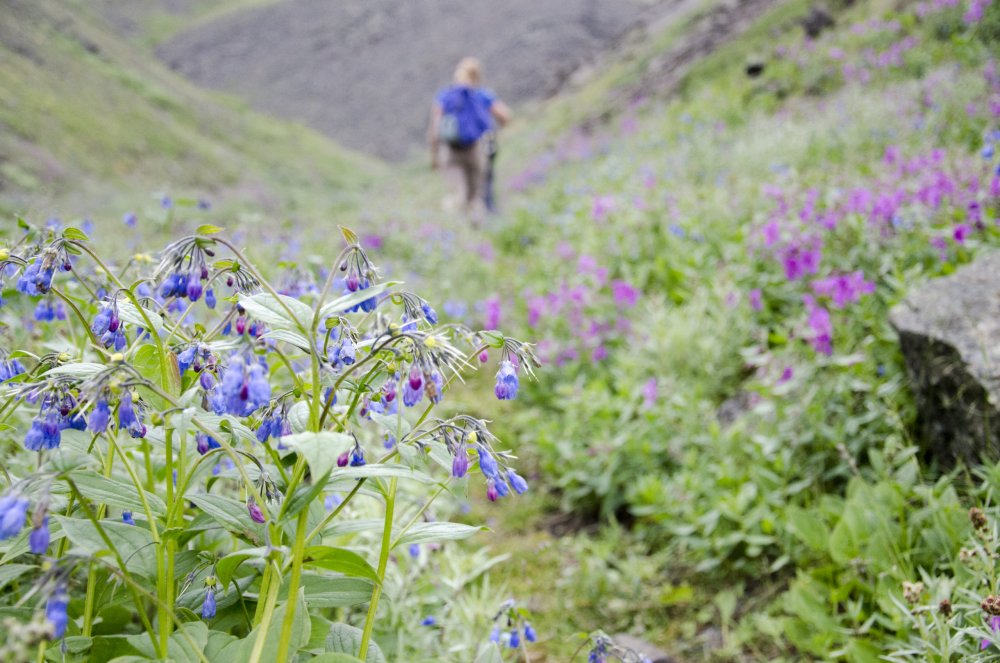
[383, 562]
[88, 601]
[419, 513]
[140, 608]
[298, 552]
[270, 602]
[164, 562]
[138, 487]
[354, 491]
[265, 588]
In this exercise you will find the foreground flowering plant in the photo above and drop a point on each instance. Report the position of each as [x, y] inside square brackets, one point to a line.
[188, 452]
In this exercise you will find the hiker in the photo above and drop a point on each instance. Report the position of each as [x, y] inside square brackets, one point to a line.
[463, 126]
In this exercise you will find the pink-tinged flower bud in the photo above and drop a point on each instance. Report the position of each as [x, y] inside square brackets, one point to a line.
[255, 513]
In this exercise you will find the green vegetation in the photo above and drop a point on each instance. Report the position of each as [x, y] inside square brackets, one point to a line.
[89, 122]
[722, 440]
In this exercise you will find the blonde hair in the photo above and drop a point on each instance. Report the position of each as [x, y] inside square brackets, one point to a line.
[468, 72]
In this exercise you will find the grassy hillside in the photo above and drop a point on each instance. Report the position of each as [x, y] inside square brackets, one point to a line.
[721, 445]
[92, 125]
[731, 442]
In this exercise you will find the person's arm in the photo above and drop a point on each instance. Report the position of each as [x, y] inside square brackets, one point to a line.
[432, 135]
[500, 112]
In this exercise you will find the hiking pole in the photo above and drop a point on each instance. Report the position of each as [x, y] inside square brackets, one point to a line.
[488, 197]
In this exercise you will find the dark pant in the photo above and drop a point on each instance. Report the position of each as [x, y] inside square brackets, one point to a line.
[466, 168]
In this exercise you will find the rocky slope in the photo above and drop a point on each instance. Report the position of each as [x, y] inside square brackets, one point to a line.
[364, 71]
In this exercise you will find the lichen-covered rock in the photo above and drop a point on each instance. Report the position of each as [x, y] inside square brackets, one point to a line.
[949, 333]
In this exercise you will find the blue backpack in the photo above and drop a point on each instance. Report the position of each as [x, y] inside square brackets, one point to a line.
[465, 117]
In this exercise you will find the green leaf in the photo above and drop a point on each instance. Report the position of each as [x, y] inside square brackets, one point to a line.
[303, 496]
[393, 423]
[79, 370]
[230, 513]
[341, 304]
[298, 417]
[116, 493]
[264, 307]
[239, 651]
[112, 648]
[346, 639]
[179, 649]
[208, 229]
[335, 658]
[226, 567]
[133, 543]
[490, 655]
[340, 560]
[381, 471]
[320, 449]
[128, 312]
[11, 572]
[428, 532]
[288, 336]
[75, 233]
[349, 235]
[326, 592]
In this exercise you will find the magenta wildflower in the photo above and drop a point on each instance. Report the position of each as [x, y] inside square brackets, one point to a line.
[492, 313]
[821, 337]
[995, 628]
[843, 289]
[960, 233]
[603, 206]
[650, 392]
[624, 293]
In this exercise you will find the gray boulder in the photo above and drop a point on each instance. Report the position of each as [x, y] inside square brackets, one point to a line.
[640, 646]
[949, 333]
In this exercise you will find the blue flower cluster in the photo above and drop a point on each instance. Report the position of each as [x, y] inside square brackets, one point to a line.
[56, 610]
[354, 283]
[244, 387]
[460, 463]
[46, 311]
[208, 607]
[188, 285]
[109, 328]
[341, 354]
[10, 368]
[355, 457]
[197, 357]
[498, 484]
[276, 425]
[13, 511]
[514, 638]
[130, 414]
[38, 540]
[507, 381]
[36, 279]
[99, 417]
[206, 443]
[56, 414]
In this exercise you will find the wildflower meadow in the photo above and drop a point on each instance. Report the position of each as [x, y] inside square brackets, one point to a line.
[652, 410]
